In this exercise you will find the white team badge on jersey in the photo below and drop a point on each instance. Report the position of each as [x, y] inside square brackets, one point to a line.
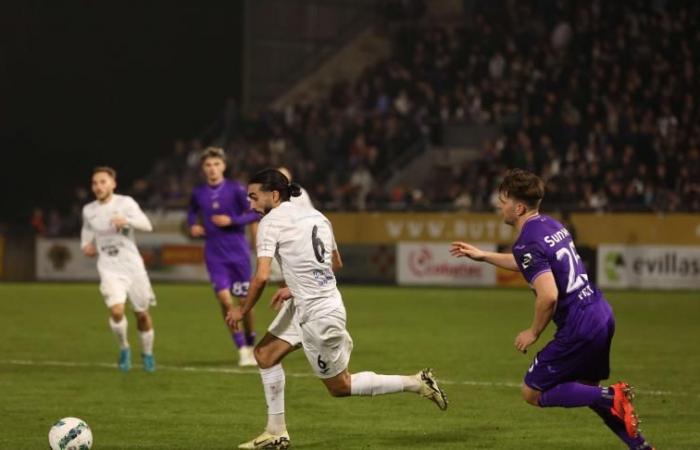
[527, 259]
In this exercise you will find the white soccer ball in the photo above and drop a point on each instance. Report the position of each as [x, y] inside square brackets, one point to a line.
[70, 433]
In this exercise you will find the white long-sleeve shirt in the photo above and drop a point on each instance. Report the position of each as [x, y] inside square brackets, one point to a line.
[116, 249]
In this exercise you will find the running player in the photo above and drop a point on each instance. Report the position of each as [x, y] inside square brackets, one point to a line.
[304, 201]
[108, 233]
[312, 316]
[219, 211]
[567, 371]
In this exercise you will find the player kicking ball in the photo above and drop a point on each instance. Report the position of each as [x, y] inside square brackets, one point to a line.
[567, 371]
[108, 233]
[312, 315]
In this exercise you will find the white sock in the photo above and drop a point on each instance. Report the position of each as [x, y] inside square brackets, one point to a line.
[119, 330]
[411, 383]
[273, 383]
[147, 341]
[370, 383]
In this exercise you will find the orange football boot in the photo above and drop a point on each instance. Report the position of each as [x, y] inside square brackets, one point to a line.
[623, 408]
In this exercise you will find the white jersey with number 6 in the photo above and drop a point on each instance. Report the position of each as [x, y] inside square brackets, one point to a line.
[303, 201]
[302, 241]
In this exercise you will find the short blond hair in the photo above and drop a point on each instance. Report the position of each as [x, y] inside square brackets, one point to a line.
[105, 169]
[212, 152]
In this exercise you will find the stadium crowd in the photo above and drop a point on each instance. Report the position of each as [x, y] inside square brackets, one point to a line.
[600, 98]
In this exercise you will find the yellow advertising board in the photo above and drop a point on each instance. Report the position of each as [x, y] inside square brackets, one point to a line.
[377, 228]
[590, 228]
[671, 229]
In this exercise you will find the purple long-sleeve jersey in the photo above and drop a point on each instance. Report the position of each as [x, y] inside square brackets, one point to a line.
[225, 244]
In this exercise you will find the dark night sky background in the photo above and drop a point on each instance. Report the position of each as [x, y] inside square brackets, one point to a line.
[88, 83]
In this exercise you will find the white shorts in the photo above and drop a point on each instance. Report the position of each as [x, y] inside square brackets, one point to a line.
[117, 287]
[326, 342]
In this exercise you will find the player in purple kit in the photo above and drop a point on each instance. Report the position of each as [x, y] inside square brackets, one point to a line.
[567, 371]
[219, 211]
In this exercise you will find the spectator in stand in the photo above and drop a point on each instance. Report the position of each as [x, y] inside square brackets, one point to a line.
[602, 99]
[37, 222]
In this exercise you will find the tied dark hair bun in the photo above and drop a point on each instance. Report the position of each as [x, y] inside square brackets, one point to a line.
[294, 190]
[274, 180]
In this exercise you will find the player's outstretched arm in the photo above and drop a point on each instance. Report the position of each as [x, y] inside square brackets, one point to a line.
[465, 250]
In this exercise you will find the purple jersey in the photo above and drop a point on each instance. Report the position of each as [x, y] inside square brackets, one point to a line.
[223, 244]
[544, 245]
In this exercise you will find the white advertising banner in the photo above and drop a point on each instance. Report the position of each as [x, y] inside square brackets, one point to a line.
[168, 257]
[430, 263]
[649, 266]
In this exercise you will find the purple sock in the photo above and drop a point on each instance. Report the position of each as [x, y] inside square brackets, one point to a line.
[250, 339]
[572, 395]
[618, 427]
[238, 338]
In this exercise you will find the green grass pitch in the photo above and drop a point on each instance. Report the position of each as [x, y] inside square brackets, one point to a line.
[57, 359]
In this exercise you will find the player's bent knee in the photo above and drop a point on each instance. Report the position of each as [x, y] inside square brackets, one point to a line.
[117, 313]
[224, 298]
[339, 390]
[263, 357]
[259, 355]
[530, 395]
[143, 317]
[339, 386]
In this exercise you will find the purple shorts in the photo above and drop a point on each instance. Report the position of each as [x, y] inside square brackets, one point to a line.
[226, 275]
[565, 360]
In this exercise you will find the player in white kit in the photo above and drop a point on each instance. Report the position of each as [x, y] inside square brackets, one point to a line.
[108, 233]
[312, 314]
[303, 200]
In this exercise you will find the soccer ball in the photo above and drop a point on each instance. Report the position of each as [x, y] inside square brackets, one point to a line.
[70, 433]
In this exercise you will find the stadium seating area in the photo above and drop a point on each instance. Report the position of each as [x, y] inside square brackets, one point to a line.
[600, 98]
